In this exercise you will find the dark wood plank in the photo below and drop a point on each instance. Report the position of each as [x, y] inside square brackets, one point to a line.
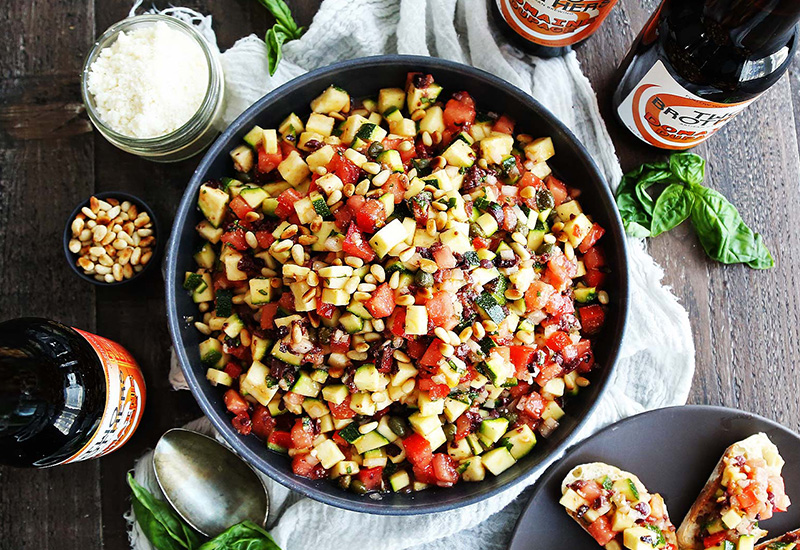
[45, 169]
[744, 322]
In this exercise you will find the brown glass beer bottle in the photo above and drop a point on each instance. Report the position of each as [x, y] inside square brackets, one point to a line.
[65, 395]
[699, 63]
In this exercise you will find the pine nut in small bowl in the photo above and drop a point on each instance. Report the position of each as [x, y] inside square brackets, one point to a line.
[111, 239]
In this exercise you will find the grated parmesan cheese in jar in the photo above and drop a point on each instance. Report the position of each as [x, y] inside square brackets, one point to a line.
[149, 82]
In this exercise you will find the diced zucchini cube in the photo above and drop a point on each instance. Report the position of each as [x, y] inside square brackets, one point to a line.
[424, 425]
[433, 120]
[213, 203]
[218, 377]
[255, 383]
[344, 468]
[320, 124]
[388, 237]
[473, 469]
[577, 229]
[405, 127]
[243, 158]
[399, 480]
[497, 460]
[336, 394]
[370, 441]
[459, 450]
[291, 125]
[361, 402]
[540, 150]
[436, 438]
[332, 100]
[391, 97]
[422, 98]
[329, 454]
[572, 501]
[320, 157]
[459, 154]
[568, 210]
[416, 320]
[294, 169]
[350, 127]
[496, 147]
[429, 407]
[519, 441]
[368, 379]
[260, 291]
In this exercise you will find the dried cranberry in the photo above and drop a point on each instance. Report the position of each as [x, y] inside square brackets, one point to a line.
[313, 144]
[251, 265]
[423, 151]
[474, 178]
[422, 80]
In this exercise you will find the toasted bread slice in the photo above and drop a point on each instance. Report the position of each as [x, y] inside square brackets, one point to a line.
[784, 542]
[623, 488]
[690, 532]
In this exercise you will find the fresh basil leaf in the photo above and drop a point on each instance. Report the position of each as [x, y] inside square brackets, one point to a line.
[161, 525]
[242, 536]
[281, 12]
[274, 41]
[723, 234]
[634, 203]
[672, 208]
[636, 230]
[688, 167]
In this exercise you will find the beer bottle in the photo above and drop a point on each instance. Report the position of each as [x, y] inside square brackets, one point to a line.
[547, 28]
[65, 395]
[699, 63]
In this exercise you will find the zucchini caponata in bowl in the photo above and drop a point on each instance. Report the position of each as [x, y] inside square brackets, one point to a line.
[397, 291]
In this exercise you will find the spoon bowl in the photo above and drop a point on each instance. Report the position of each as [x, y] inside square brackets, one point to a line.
[209, 486]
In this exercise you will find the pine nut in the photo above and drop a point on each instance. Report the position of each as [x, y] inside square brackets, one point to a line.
[550, 238]
[101, 269]
[352, 284]
[136, 256]
[408, 385]
[108, 278]
[525, 337]
[394, 280]
[99, 232]
[353, 261]
[490, 326]
[446, 350]
[119, 244]
[321, 170]
[426, 139]
[381, 178]
[366, 428]
[371, 168]
[127, 271]
[378, 325]
[602, 297]
[116, 270]
[513, 294]
[362, 296]
[85, 235]
[367, 287]
[250, 237]
[362, 187]
[334, 197]
[478, 330]
[203, 328]
[146, 257]
[441, 334]
[428, 266]
[124, 256]
[378, 272]
[582, 382]
[74, 246]
[527, 192]
[406, 146]
[106, 260]
[113, 212]
[349, 189]
[407, 254]
[405, 300]
[356, 356]
[465, 335]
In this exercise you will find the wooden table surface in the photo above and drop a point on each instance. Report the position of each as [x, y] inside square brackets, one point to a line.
[745, 322]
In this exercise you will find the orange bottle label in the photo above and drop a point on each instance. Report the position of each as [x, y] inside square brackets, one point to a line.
[664, 114]
[555, 23]
[125, 398]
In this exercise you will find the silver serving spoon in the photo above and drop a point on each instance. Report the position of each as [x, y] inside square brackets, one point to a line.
[207, 484]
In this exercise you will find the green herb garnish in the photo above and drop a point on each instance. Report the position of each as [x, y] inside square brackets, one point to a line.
[719, 227]
[283, 31]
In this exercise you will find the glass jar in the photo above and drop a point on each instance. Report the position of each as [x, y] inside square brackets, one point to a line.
[196, 133]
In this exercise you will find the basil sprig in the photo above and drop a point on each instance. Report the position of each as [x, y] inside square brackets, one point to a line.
[166, 530]
[284, 30]
[719, 227]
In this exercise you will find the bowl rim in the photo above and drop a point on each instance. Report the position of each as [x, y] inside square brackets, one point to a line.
[113, 195]
[283, 475]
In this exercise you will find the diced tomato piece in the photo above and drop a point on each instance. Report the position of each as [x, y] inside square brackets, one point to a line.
[342, 218]
[243, 424]
[537, 295]
[302, 435]
[594, 258]
[464, 426]
[444, 257]
[342, 410]
[435, 391]
[394, 143]
[532, 404]
[355, 244]
[286, 202]
[381, 304]
[557, 188]
[415, 348]
[480, 242]
[339, 440]
[558, 304]
[240, 352]
[267, 162]
[263, 423]
[233, 370]
[444, 468]
[286, 148]
[425, 474]
[305, 465]
[240, 207]
[371, 216]
[398, 322]
[396, 185]
[343, 168]
[356, 203]
[521, 356]
[504, 125]
[562, 267]
[592, 318]
[590, 490]
[264, 238]
[579, 354]
[235, 238]
[286, 301]
[418, 450]
[441, 310]
[268, 312]
[235, 403]
[371, 477]
[600, 529]
[778, 488]
[520, 389]
[595, 278]
[747, 498]
[325, 310]
[591, 238]
[558, 340]
[715, 539]
[547, 372]
[280, 439]
[459, 113]
[432, 355]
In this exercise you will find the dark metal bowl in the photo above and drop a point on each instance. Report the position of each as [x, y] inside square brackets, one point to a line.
[119, 195]
[363, 77]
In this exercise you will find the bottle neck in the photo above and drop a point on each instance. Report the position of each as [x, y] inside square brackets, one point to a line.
[759, 27]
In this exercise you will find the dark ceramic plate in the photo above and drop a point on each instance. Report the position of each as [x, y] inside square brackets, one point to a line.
[673, 451]
[363, 77]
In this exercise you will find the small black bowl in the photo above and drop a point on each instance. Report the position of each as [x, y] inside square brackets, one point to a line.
[119, 195]
[363, 77]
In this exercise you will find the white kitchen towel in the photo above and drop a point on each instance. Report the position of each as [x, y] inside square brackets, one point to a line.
[657, 358]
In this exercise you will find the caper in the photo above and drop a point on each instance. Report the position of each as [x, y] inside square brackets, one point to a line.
[375, 149]
[544, 199]
[544, 248]
[358, 487]
[398, 426]
[421, 278]
[344, 482]
[449, 432]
